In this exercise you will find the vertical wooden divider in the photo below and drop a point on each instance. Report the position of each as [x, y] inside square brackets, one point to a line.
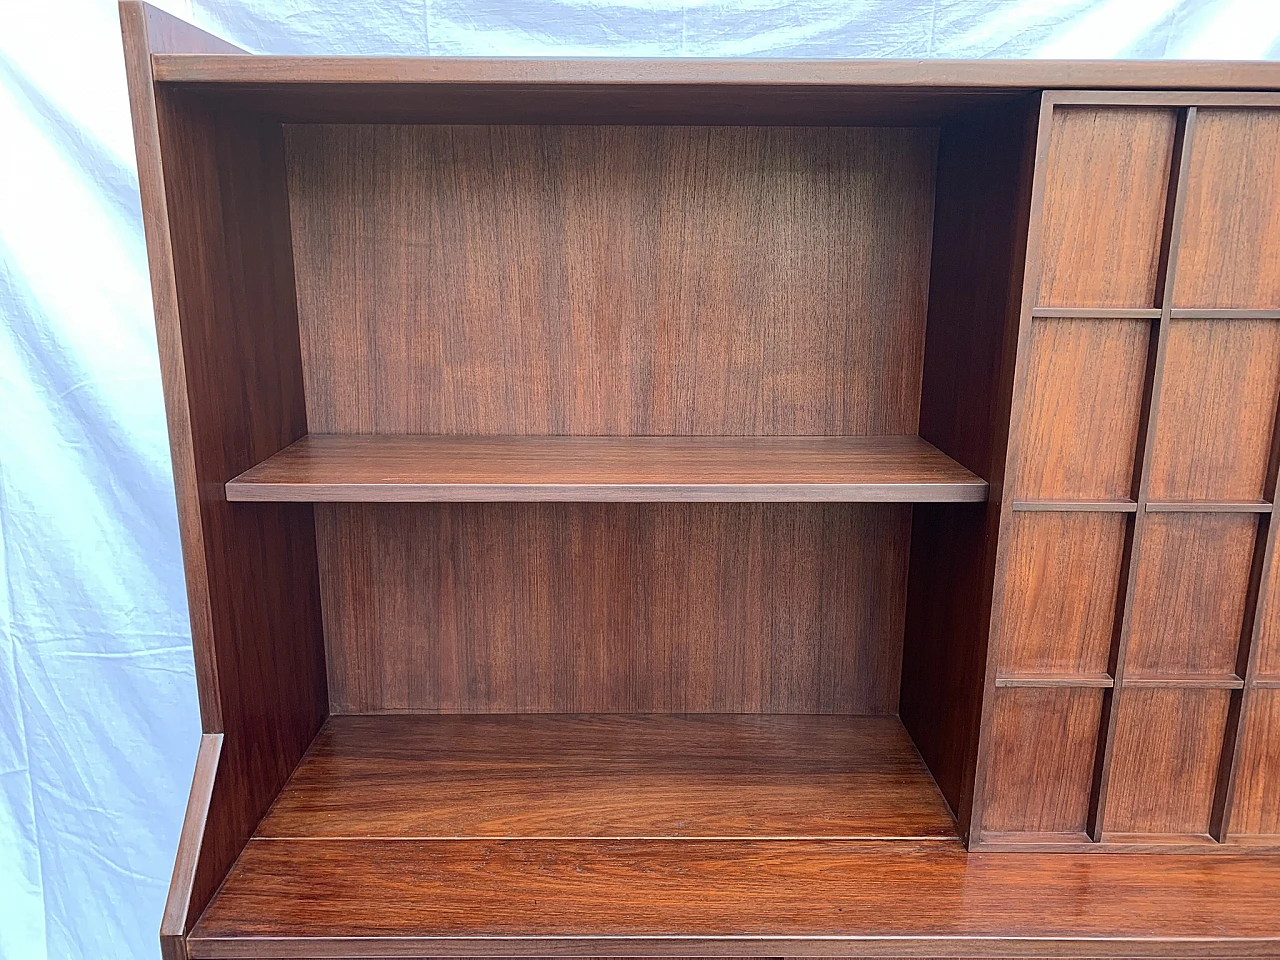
[1004, 490]
[1147, 432]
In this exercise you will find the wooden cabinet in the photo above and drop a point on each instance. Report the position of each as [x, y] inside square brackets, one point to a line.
[692, 508]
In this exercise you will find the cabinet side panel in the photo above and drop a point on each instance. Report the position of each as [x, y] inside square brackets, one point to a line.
[611, 280]
[228, 217]
[614, 608]
[975, 294]
[217, 227]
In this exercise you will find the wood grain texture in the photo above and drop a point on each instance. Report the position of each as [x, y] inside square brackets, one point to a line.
[1082, 407]
[1030, 76]
[610, 776]
[1043, 743]
[1256, 808]
[1209, 506]
[985, 165]
[217, 228]
[178, 907]
[612, 280]
[1175, 203]
[244, 394]
[1190, 595]
[737, 91]
[624, 469]
[615, 608]
[1165, 765]
[1231, 233]
[612, 104]
[1217, 410]
[1061, 586]
[1267, 662]
[791, 898]
[1104, 203]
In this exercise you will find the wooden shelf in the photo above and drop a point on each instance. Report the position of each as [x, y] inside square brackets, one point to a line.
[630, 469]
[350, 898]
[610, 776]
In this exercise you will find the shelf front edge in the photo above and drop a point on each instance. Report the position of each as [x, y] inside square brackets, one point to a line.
[924, 947]
[975, 492]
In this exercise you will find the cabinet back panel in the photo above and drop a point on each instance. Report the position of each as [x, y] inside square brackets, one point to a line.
[614, 608]
[612, 280]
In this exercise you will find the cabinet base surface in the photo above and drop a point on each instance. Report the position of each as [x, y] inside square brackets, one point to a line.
[350, 898]
[680, 836]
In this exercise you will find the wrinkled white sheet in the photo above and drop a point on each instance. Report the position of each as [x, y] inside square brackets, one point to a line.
[98, 724]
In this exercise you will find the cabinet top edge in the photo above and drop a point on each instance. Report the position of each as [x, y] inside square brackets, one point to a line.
[918, 75]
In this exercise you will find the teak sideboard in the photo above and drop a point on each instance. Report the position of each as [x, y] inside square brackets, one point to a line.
[721, 508]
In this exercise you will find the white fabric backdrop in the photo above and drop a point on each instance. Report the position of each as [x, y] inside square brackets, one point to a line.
[98, 724]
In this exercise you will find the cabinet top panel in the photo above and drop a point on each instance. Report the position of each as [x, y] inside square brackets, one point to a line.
[875, 73]
[320, 89]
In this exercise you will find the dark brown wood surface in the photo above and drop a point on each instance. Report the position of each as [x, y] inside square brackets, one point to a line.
[1061, 585]
[631, 469]
[1231, 250]
[985, 166]
[557, 898]
[182, 886]
[610, 776]
[612, 280]
[1106, 178]
[617, 608]
[1043, 742]
[1190, 593]
[1267, 657]
[984, 611]
[542, 295]
[1217, 410]
[1083, 399]
[612, 104]
[1027, 75]
[1165, 766]
[217, 227]
[1256, 808]
[685, 91]
[1141, 410]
